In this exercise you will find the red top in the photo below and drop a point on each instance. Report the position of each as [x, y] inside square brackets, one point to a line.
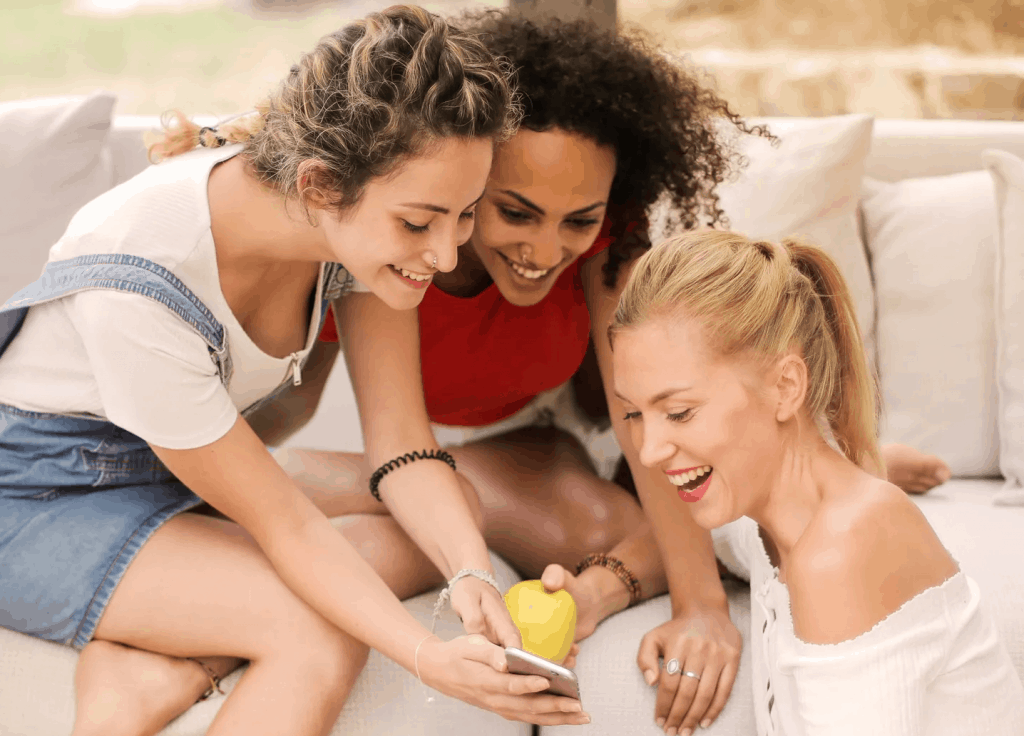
[484, 359]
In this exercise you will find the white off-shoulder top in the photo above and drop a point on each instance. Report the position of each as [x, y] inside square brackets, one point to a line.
[934, 667]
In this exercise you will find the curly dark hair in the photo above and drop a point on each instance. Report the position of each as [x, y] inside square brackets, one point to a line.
[618, 89]
[366, 98]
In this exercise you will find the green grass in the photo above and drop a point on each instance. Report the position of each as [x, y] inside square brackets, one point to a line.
[41, 40]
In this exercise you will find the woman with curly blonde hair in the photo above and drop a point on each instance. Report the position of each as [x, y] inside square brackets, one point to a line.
[182, 301]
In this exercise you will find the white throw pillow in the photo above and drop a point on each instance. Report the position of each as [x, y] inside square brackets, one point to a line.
[808, 187]
[932, 245]
[1008, 176]
[54, 160]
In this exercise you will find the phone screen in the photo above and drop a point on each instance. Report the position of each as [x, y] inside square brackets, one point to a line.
[563, 681]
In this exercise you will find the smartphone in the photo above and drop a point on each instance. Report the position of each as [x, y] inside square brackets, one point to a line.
[563, 681]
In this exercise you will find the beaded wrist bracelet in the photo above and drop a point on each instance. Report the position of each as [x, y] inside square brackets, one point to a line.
[405, 459]
[621, 572]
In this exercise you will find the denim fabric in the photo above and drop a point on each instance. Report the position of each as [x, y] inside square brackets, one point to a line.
[80, 496]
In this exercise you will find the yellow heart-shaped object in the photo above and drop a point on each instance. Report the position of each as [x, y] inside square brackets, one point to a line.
[547, 621]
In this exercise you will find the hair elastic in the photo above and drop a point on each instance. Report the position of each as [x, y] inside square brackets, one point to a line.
[405, 459]
[202, 139]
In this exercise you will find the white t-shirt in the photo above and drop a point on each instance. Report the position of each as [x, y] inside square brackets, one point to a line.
[126, 358]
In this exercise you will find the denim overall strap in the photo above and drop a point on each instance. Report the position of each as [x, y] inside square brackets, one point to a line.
[125, 273]
[337, 282]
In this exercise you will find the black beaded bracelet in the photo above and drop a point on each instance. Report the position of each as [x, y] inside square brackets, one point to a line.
[405, 459]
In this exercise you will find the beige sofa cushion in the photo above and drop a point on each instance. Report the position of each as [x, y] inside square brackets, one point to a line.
[932, 246]
[808, 186]
[54, 159]
[1008, 175]
[612, 687]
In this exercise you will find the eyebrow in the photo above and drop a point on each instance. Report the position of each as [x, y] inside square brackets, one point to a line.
[530, 205]
[439, 208]
[663, 395]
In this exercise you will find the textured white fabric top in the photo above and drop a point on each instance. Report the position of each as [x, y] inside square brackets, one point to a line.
[126, 358]
[935, 667]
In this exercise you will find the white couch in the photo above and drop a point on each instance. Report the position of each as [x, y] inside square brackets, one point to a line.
[827, 181]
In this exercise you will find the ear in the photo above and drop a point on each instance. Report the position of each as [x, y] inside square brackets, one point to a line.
[311, 184]
[790, 386]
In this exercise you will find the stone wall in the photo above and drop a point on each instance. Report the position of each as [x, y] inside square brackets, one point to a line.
[891, 58]
[925, 84]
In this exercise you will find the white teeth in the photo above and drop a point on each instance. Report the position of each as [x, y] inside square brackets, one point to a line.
[681, 479]
[414, 276]
[527, 273]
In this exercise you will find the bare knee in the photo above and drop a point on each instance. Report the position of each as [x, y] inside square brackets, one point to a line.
[317, 653]
[595, 514]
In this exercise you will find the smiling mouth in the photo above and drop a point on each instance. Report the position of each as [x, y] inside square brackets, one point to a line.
[690, 480]
[411, 275]
[526, 273]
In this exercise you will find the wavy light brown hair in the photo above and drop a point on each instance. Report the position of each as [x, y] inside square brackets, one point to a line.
[757, 297]
[367, 98]
[618, 89]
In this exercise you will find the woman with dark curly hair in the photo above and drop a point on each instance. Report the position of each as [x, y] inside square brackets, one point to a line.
[611, 127]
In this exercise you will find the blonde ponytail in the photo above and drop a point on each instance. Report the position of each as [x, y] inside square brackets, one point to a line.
[852, 404]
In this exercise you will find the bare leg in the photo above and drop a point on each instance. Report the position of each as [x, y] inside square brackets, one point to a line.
[173, 602]
[125, 691]
[540, 499]
[540, 502]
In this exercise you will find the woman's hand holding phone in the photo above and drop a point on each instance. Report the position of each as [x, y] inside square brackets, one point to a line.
[475, 671]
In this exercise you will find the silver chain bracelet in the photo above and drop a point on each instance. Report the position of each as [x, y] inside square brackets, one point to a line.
[446, 593]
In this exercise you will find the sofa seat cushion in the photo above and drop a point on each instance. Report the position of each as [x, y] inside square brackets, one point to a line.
[613, 690]
[37, 697]
[988, 541]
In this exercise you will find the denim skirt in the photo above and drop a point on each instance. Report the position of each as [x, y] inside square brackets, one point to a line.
[79, 497]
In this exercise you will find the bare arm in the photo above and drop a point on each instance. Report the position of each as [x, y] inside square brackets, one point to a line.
[237, 476]
[700, 636]
[381, 348]
[686, 550]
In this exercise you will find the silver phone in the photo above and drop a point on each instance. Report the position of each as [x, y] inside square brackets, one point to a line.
[563, 681]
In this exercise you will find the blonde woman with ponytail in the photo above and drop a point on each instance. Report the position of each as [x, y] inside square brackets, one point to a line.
[740, 371]
[181, 301]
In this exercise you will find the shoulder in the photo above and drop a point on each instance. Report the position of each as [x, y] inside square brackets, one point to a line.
[159, 213]
[859, 560]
